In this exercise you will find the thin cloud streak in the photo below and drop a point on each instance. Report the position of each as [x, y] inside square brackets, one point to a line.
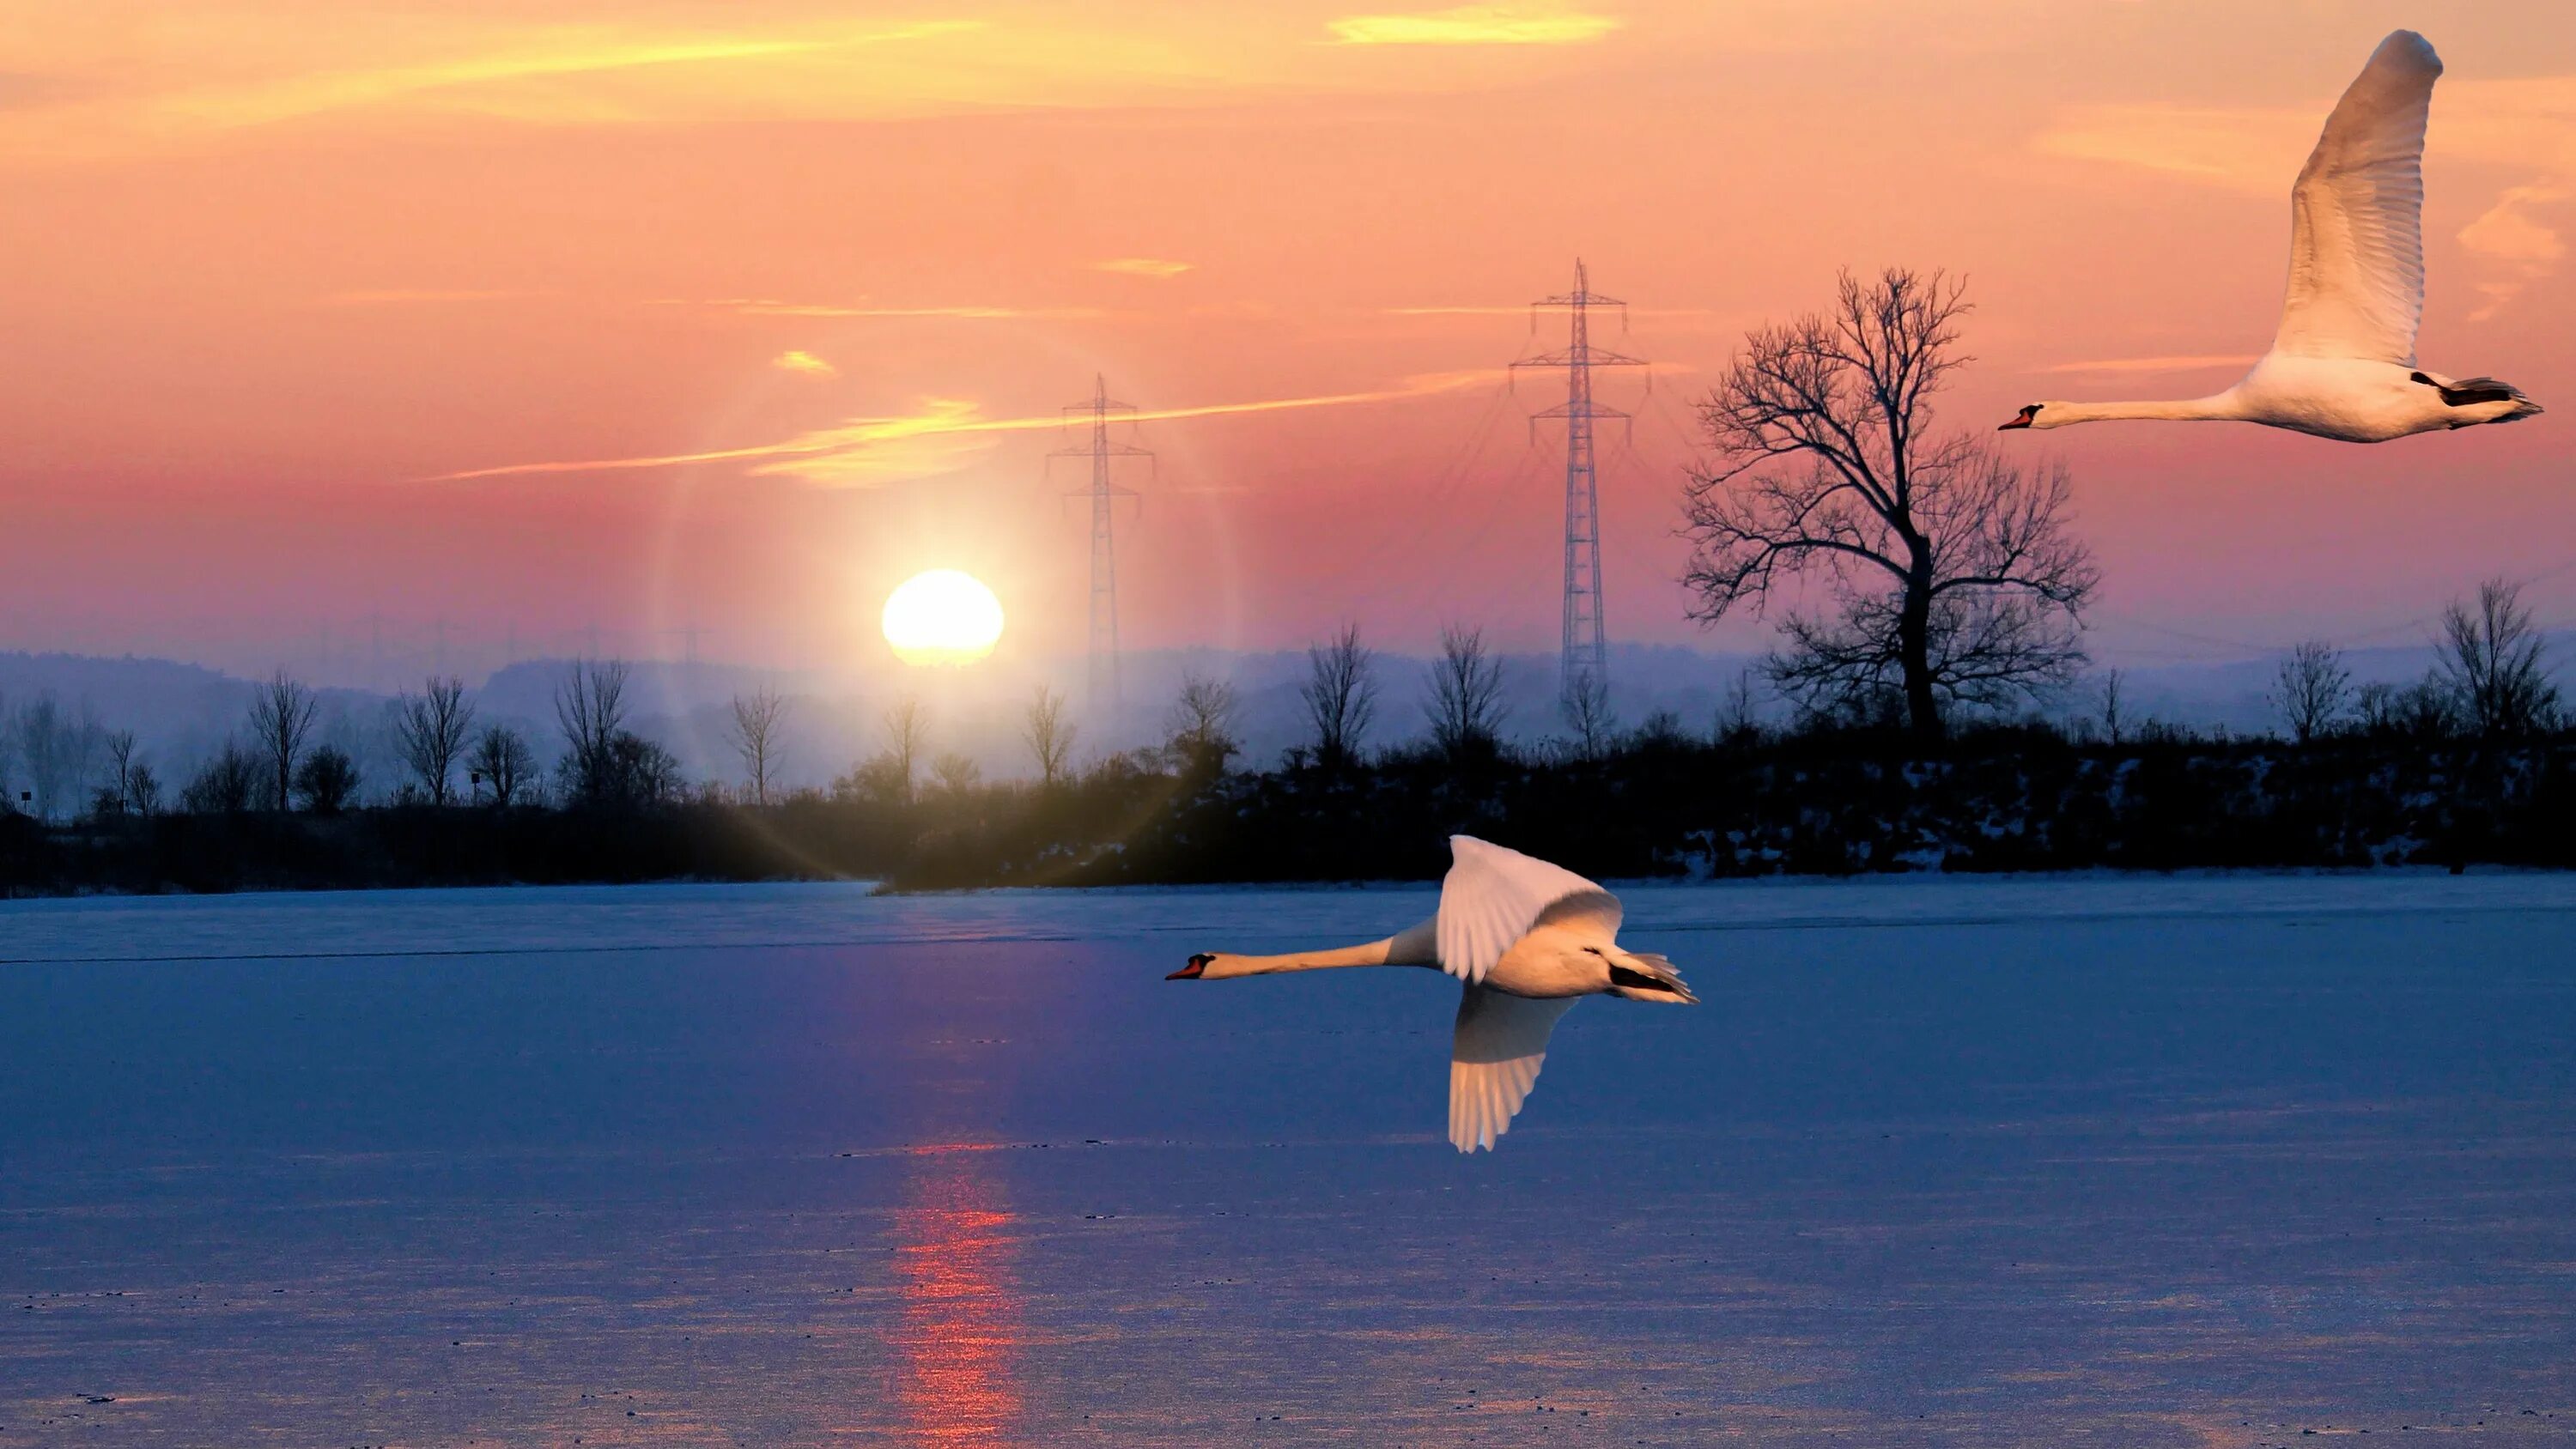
[287, 79]
[944, 417]
[405, 296]
[800, 361]
[771, 307]
[1474, 25]
[542, 56]
[1144, 267]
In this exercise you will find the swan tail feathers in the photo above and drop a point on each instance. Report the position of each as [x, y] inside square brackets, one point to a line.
[2470, 391]
[1652, 977]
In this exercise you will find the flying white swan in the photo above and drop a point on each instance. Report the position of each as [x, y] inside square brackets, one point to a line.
[1527, 938]
[2343, 363]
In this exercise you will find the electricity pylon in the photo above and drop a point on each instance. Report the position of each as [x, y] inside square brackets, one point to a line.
[1586, 651]
[1104, 495]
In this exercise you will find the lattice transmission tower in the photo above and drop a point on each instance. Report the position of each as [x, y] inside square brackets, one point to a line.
[1586, 650]
[1104, 494]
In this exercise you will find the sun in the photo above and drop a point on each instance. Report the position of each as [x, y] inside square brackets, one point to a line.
[942, 617]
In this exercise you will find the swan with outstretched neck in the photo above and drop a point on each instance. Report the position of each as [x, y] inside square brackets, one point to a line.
[2342, 365]
[1527, 939]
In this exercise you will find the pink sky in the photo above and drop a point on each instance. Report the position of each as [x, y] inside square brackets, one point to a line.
[273, 271]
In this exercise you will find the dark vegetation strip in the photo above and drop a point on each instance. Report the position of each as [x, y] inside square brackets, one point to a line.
[1823, 802]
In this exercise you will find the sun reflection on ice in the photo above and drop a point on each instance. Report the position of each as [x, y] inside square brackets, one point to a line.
[957, 1344]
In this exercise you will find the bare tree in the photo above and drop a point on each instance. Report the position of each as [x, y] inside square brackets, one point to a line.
[281, 716]
[1953, 577]
[754, 734]
[2312, 689]
[121, 766]
[956, 772]
[326, 780]
[1588, 714]
[503, 763]
[2423, 711]
[143, 791]
[1466, 699]
[1736, 721]
[1049, 735]
[430, 729]
[2490, 663]
[1341, 696]
[2110, 702]
[590, 711]
[226, 785]
[1661, 729]
[641, 772]
[1201, 722]
[906, 728]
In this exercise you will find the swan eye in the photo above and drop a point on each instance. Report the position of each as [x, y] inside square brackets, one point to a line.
[1592, 950]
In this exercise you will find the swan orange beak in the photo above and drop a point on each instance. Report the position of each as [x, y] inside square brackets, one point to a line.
[1198, 967]
[2021, 419]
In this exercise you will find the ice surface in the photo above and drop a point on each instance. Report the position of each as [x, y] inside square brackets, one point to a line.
[679, 917]
[2181, 1160]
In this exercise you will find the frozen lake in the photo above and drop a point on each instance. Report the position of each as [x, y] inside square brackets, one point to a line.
[2130, 1162]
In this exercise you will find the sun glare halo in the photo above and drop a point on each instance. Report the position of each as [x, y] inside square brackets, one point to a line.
[943, 616]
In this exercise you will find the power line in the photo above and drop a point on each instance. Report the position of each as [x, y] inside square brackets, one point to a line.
[1584, 654]
[1104, 495]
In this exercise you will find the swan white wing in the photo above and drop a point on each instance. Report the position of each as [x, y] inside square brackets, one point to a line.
[2357, 216]
[1495, 1058]
[1492, 896]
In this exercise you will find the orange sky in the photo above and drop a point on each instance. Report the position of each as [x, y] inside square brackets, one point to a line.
[295, 295]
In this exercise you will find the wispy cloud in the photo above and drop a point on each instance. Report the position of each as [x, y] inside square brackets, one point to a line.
[2508, 236]
[1474, 25]
[2245, 149]
[772, 307]
[943, 435]
[799, 361]
[309, 95]
[2193, 363]
[533, 71]
[2529, 122]
[213, 71]
[407, 296]
[1143, 267]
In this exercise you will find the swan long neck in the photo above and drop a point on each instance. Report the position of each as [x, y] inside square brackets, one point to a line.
[1416, 947]
[2217, 407]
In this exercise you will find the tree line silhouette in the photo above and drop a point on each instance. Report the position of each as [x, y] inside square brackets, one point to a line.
[2474, 762]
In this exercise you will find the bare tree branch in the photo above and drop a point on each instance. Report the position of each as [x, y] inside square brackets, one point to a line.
[1952, 575]
[1340, 695]
[754, 735]
[430, 729]
[2311, 689]
[281, 715]
[1466, 699]
[1049, 735]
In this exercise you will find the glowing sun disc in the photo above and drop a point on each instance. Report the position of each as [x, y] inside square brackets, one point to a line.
[942, 617]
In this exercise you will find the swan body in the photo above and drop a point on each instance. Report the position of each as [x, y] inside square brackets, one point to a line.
[1527, 940]
[2342, 365]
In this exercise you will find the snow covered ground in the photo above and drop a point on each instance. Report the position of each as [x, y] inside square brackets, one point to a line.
[2131, 1161]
